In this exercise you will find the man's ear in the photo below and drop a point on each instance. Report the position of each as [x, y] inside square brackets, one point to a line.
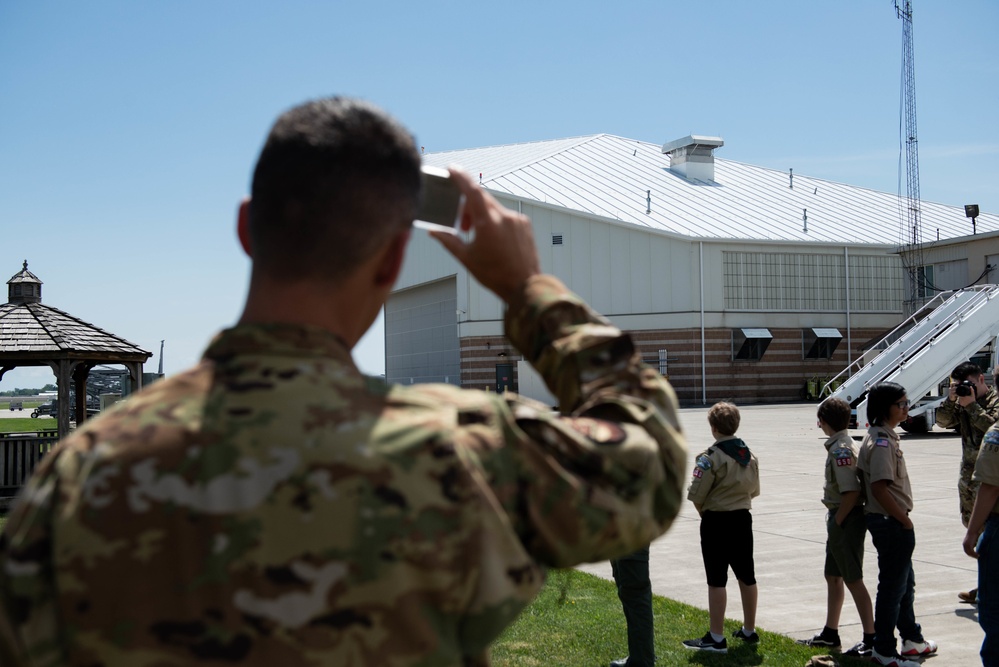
[392, 258]
[243, 226]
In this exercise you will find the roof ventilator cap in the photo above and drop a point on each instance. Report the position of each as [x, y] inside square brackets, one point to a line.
[693, 157]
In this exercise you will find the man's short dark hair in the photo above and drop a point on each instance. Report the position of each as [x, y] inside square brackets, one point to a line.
[968, 369]
[336, 178]
[724, 418]
[836, 413]
[880, 399]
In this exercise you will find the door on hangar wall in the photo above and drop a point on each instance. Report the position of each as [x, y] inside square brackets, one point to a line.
[421, 334]
[504, 378]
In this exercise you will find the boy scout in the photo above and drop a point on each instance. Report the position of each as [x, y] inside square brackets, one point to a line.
[889, 501]
[982, 542]
[725, 480]
[272, 506]
[845, 529]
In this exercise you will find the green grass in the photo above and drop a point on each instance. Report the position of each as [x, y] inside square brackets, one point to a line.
[577, 620]
[27, 424]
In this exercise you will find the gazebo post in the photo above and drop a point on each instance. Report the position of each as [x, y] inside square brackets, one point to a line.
[80, 373]
[135, 370]
[62, 384]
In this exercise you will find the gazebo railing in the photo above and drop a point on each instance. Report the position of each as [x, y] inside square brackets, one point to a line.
[19, 454]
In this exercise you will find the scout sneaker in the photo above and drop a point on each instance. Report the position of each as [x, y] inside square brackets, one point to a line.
[707, 643]
[925, 647]
[892, 661]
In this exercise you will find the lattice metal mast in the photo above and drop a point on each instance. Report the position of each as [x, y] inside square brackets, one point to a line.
[904, 12]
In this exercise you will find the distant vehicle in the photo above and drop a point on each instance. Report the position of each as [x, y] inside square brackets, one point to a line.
[51, 409]
[45, 410]
[17, 405]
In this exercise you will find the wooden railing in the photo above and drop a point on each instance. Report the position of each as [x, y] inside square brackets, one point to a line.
[19, 454]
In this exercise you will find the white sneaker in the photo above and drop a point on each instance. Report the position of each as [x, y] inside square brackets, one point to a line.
[892, 661]
[925, 647]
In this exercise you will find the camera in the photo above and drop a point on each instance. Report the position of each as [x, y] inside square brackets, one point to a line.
[966, 388]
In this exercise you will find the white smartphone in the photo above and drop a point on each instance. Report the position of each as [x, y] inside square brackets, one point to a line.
[442, 203]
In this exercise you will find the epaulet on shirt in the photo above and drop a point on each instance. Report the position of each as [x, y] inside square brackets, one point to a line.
[881, 442]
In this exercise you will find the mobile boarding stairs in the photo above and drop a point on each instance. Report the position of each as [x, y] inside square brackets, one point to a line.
[923, 350]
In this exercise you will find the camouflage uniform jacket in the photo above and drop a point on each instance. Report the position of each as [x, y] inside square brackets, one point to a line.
[971, 422]
[272, 506]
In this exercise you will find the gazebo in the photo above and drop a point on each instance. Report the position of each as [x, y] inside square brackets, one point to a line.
[34, 334]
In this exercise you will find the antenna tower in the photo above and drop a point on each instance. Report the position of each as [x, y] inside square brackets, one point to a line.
[911, 234]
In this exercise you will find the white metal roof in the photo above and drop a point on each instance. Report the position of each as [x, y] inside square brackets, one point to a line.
[614, 177]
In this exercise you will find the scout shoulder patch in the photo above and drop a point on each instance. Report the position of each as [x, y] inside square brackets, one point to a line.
[881, 442]
[698, 473]
[597, 430]
[991, 437]
[704, 462]
[844, 456]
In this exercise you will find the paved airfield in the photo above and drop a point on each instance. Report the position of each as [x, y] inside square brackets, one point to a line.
[789, 531]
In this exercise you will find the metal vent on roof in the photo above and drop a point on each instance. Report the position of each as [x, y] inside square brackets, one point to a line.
[692, 157]
[556, 239]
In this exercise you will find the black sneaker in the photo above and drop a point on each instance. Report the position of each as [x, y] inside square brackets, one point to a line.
[749, 639]
[860, 650]
[821, 640]
[707, 643]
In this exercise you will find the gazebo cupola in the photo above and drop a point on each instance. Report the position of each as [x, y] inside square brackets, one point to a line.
[24, 287]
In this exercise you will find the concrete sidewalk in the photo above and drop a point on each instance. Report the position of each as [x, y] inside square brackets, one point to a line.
[789, 534]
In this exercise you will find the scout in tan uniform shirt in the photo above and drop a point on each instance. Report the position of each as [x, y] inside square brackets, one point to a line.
[845, 529]
[982, 542]
[272, 507]
[726, 478]
[889, 500]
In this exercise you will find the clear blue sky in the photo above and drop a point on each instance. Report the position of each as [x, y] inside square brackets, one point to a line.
[128, 130]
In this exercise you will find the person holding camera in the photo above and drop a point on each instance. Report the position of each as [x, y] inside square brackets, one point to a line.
[971, 408]
[273, 506]
[982, 542]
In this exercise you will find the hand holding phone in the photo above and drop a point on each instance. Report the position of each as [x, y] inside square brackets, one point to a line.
[442, 203]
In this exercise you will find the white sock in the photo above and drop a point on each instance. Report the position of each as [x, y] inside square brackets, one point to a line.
[717, 638]
[747, 631]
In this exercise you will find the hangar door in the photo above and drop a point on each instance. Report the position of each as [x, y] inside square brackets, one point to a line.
[421, 334]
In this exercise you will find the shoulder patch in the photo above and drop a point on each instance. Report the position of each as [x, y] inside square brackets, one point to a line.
[844, 456]
[698, 473]
[881, 442]
[703, 462]
[597, 430]
[991, 437]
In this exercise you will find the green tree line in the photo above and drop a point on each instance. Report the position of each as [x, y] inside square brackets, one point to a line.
[28, 392]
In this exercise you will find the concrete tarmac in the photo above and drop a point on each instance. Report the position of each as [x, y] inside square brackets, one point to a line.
[789, 535]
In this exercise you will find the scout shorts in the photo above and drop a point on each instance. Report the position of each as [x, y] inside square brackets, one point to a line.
[727, 539]
[845, 546]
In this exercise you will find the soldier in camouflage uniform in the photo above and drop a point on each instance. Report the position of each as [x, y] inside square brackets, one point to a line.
[971, 415]
[272, 506]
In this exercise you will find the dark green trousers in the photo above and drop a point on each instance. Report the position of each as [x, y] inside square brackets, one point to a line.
[634, 589]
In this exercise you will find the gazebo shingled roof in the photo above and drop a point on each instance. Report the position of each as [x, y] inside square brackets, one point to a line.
[33, 334]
